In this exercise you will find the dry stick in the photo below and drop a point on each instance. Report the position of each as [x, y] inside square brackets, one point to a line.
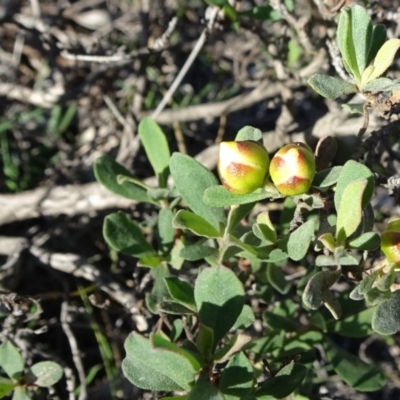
[196, 49]
[76, 357]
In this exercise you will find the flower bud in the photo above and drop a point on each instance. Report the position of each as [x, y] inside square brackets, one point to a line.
[390, 242]
[292, 169]
[243, 165]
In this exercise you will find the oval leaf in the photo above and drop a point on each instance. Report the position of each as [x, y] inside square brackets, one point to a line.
[47, 373]
[219, 297]
[122, 234]
[196, 224]
[299, 240]
[386, 320]
[106, 171]
[350, 210]
[11, 360]
[156, 147]
[330, 87]
[192, 179]
[354, 371]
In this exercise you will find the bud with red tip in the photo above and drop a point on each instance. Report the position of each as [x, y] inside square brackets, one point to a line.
[243, 166]
[390, 242]
[292, 169]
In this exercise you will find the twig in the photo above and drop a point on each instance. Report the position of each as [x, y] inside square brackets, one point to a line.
[76, 357]
[192, 56]
[79, 267]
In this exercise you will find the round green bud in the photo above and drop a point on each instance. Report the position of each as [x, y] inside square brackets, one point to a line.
[292, 169]
[243, 166]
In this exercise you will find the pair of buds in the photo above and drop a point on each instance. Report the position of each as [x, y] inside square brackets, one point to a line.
[244, 166]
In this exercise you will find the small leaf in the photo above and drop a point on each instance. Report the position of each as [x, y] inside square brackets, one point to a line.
[299, 240]
[181, 291]
[204, 389]
[156, 147]
[159, 290]
[20, 393]
[237, 377]
[233, 345]
[264, 13]
[195, 223]
[277, 279]
[327, 177]
[191, 180]
[384, 58]
[351, 171]
[106, 171]
[6, 386]
[350, 210]
[165, 229]
[156, 369]
[354, 371]
[357, 325]
[197, 252]
[284, 382]
[276, 256]
[277, 322]
[11, 361]
[219, 196]
[249, 133]
[122, 234]
[379, 37]
[354, 108]
[367, 241]
[330, 87]
[381, 85]
[47, 373]
[386, 320]
[328, 241]
[245, 319]
[219, 297]
[205, 342]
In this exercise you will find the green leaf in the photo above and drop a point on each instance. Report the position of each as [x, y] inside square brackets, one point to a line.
[354, 108]
[386, 320]
[237, 378]
[176, 261]
[165, 229]
[11, 361]
[276, 256]
[218, 3]
[327, 177]
[381, 85]
[47, 373]
[300, 239]
[181, 292]
[106, 171]
[156, 369]
[6, 386]
[367, 241]
[354, 371]
[264, 229]
[350, 210]
[351, 171]
[249, 133]
[192, 179]
[197, 252]
[171, 307]
[379, 36]
[156, 146]
[330, 87]
[205, 341]
[159, 290]
[195, 223]
[233, 345]
[284, 382]
[354, 39]
[383, 59]
[278, 322]
[204, 389]
[122, 234]
[277, 279]
[264, 13]
[245, 319]
[20, 393]
[357, 325]
[219, 297]
[219, 196]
